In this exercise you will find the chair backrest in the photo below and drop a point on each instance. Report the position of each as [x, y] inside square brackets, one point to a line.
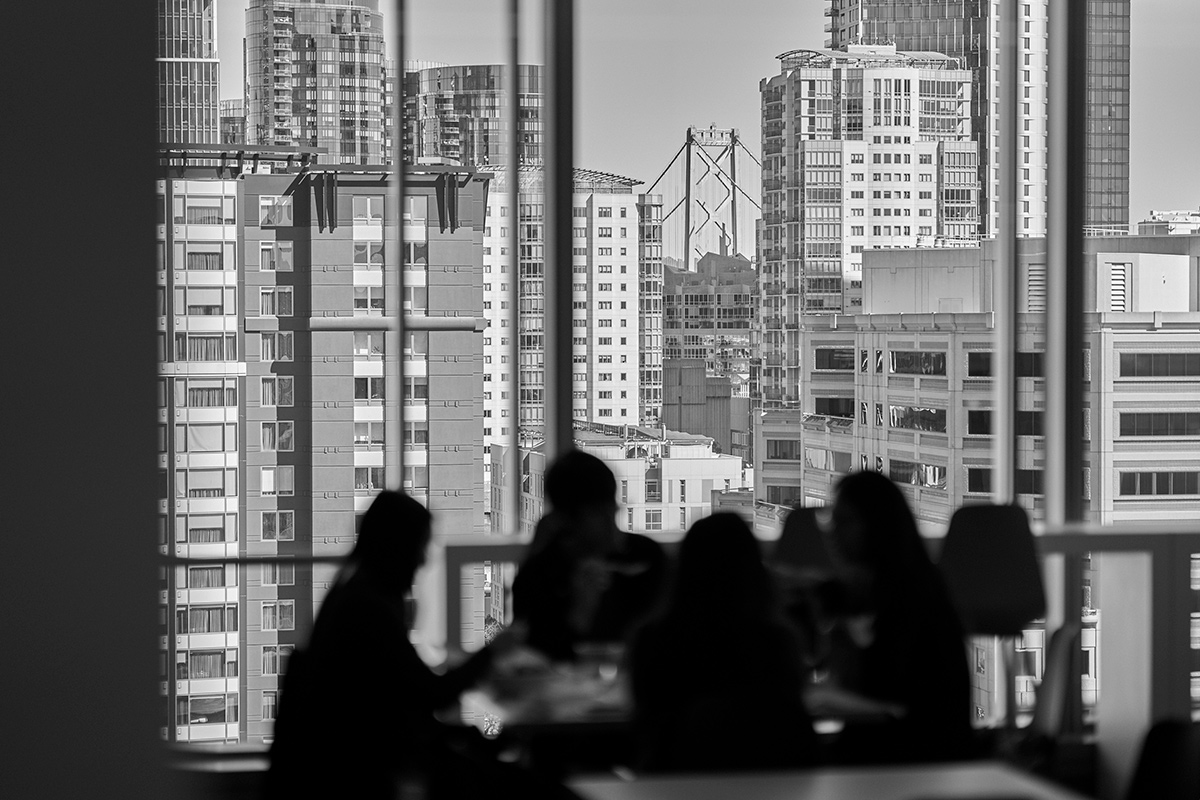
[989, 563]
[1168, 767]
[801, 544]
[1054, 700]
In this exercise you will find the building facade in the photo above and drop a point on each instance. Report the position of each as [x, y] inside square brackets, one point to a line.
[698, 402]
[905, 388]
[233, 122]
[272, 434]
[315, 77]
[616, 299]
[712, 313]
[189, 72]
[969, 30]
[862, 149]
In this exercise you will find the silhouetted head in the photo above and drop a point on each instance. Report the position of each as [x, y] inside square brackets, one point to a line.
[392, 540]
[873, 526]
[579, 482]
[720, 570]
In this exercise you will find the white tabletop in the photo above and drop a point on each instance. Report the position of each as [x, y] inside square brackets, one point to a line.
[985, 780]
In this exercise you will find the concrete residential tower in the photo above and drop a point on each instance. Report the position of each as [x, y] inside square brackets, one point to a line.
[969, 30]
[862, 149]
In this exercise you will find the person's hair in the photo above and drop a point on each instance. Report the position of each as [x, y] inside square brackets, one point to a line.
[579, 481]
[720, 573]
[393, 534]
[892, 546]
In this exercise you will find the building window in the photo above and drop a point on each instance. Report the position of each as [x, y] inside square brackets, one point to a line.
[979, 364]
[1160, 365]
[979, 480]
[277, 436]
[368, 300]
[277, 392]
[838, 358]
[604, 233]
[269, 704]
[275, 658]
[206, 709]
[276, 346]
[205, 392]
[279, 573]
[369, 432]
[834, 406]
[918, 418]
[217, 438]
[683, 491]
[654, 519]
[275, 256]
[278, 526]
[1159, 483]
[368, 344]
[206, 619]
[368, 389]
[368, 478]
[932, 476]
[277, 481]
[205, 483]
[205, 347]
[368, 255]
[274, 211]
[279, 615]
[918, 362]
[783, 450]
[368, 208]
[1164, 423]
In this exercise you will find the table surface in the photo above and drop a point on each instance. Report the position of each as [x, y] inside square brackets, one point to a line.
[983, 780]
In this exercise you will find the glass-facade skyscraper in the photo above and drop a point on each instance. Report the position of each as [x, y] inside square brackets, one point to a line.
[459, 113]
[314, 77]
[969, 30]
[188, 72]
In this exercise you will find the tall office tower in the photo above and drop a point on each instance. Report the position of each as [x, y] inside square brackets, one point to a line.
[615, 275]
[189, 79]
[460, 112]
[233, 122]
[863, 148]
[273, 432]
[314, 77]
[969, 30]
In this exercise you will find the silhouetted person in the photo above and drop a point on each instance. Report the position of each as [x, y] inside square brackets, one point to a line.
[356, 712]
[717, 675]
[583, 579]
[909, 646]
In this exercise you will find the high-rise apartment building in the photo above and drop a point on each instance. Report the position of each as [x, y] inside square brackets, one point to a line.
[862, 149]
[969, 30]
[461, 112]
[188, 72]
[273, 431]
[616, 281]
[315, 77]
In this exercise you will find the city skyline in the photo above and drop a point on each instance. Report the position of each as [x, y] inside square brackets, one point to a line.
[1164, 168]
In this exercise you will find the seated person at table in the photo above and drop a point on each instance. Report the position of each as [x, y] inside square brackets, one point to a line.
[717, 674]
[906, 642]
[356, 712]
[583, 579]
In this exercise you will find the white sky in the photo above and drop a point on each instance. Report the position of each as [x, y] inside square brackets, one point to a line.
[646, 69]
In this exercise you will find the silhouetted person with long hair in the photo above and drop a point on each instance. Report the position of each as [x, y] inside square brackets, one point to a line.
[718, 673]
[583, 579]
[909, 646]
[356, 712]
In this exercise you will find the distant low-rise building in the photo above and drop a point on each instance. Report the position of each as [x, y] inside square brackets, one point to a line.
[665, 479]
[1162, 223]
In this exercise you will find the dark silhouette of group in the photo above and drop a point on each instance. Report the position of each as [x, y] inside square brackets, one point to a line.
[720, 649]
